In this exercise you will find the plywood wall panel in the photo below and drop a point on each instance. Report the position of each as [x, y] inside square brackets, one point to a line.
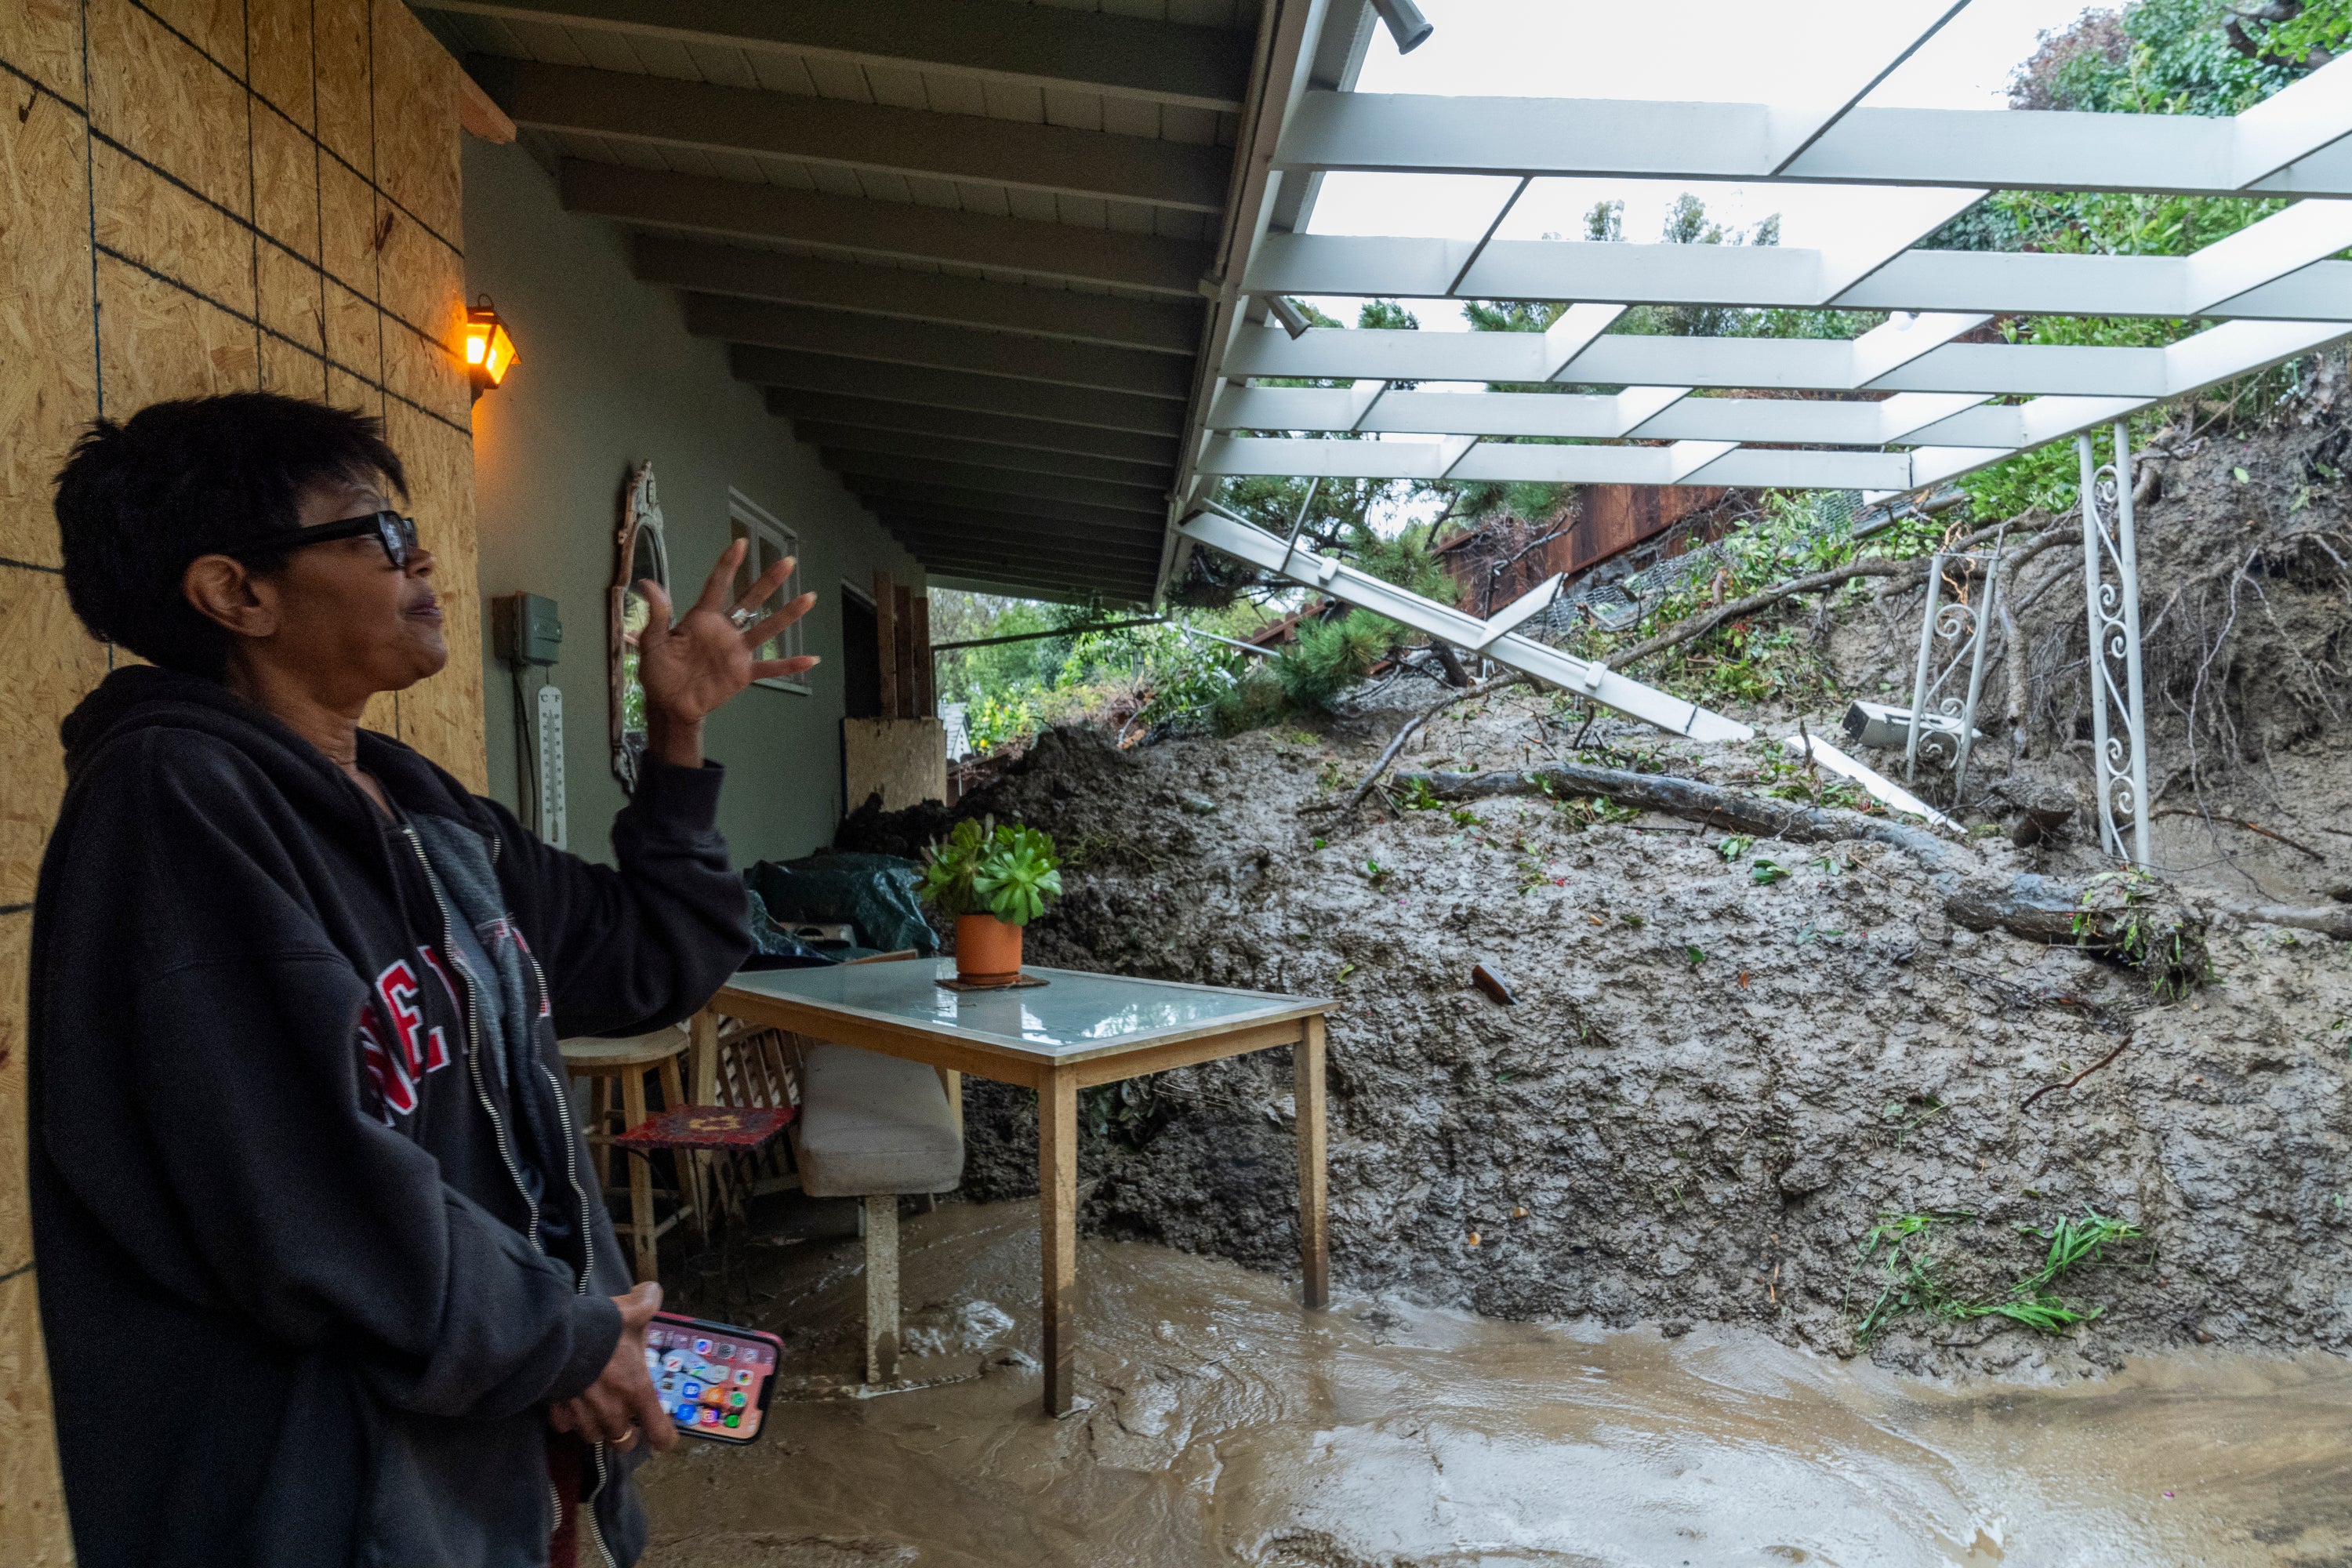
[15, 1222]
[157, 95]
[49, 384]
[345, 390]
[32, 1506]
[50, 664]
[442, 717]
[344, 81]
[285, 183]
[291, 303]
[415, 98]
[146, 218]
[347, 219]
[354, 332]
[216, 27]
[288, 369]
[421, 279]
[424, 372]
[156, 340]
[43, 40]
[277, 43]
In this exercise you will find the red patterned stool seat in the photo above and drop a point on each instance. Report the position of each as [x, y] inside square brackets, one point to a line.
[737, 1129]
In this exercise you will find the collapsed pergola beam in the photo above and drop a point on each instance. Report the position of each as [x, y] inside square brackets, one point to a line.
[705, 267]
[930, 345]
[1150, 502]
[2291, 144]
[703, 117]
[955, 389]
[1046, 46]
[901, 231]
[1586, 677]
[859, 438]
[1008, 431]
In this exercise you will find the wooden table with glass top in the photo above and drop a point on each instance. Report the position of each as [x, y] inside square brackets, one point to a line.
[1075, 1032]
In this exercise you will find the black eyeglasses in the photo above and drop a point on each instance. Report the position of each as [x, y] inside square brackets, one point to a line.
[396, 533]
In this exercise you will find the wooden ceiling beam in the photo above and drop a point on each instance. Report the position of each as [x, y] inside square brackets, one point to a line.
[701, 117]
[904, 231]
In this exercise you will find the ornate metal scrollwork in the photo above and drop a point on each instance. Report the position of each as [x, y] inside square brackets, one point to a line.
[2111, 606]
[1964, 630]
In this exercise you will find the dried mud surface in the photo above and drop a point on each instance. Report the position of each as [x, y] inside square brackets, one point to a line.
[1711, 1089]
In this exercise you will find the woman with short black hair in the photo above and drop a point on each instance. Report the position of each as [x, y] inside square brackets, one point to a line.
[325, 1273]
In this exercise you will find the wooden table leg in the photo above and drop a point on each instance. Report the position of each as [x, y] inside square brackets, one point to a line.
[1057, 1224]
[641, 1176]
[703, 1089]
[1306, 1099]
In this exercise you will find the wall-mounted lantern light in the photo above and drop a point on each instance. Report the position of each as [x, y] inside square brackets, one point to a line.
[489, 353]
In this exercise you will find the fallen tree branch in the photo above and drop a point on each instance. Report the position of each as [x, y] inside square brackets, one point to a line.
[1412, 727]
[2079, 1077]
[2141, 923]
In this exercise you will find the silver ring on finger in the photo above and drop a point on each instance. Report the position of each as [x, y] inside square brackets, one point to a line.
[742, 618]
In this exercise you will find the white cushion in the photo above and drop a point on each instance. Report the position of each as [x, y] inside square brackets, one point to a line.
[873, 1125]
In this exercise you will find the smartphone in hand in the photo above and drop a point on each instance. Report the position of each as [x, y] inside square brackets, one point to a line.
[714, 1379]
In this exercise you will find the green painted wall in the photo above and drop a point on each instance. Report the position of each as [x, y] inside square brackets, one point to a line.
[606, 377]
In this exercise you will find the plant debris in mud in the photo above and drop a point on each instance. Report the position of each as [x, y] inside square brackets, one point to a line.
[1915, 1276]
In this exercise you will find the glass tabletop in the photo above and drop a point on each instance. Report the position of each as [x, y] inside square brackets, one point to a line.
[1073, 1014]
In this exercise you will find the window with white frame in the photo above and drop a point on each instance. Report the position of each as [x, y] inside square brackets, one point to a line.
[770, 542]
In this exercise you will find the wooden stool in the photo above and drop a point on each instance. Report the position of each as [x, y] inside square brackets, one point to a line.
[626, 1062]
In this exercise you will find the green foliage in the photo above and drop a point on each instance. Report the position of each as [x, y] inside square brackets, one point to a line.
[1332, 654]
[2160, 57]
[1764, 873]
[1733, 848]
[1913, 1279]
[983, 869]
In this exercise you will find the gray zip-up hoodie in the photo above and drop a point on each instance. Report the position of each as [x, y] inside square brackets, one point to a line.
[301, 1302]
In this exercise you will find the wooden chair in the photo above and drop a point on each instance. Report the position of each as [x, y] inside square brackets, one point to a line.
[626, 1064]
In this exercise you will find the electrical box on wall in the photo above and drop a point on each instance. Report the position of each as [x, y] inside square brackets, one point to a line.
[526, 629]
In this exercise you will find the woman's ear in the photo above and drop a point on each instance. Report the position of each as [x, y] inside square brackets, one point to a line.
[226, 591]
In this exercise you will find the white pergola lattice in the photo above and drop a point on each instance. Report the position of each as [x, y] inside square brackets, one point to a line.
[2270, 291]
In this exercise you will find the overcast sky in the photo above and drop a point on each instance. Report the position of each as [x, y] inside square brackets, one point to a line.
[1740, 50]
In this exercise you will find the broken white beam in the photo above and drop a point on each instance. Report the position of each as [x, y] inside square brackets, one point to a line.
[1822, 755]
[1588, 678]
[1519, 611]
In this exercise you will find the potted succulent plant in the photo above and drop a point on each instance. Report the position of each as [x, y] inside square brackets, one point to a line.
[994, 881]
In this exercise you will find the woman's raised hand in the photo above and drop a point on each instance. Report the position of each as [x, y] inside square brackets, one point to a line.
[690, 669]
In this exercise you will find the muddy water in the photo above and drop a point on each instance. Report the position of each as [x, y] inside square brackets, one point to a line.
[1225, 1425]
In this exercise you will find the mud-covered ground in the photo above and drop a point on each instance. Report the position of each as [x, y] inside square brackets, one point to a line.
[1712, 1086]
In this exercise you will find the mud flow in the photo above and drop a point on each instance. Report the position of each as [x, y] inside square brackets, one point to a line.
[1221, 1424]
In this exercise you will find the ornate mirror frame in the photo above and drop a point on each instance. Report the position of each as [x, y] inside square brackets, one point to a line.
[642, 552]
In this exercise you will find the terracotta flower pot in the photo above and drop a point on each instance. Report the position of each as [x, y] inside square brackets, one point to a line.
[987, 949]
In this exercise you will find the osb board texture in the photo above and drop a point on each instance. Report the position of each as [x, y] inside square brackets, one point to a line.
[32, 1509]
[47, 663]
[442, 716]
[172, 185]
[158, 96]
[43, 40]
[49, 389]
[904, 759]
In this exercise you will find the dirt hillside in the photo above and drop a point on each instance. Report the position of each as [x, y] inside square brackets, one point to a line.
[1728, 1064]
